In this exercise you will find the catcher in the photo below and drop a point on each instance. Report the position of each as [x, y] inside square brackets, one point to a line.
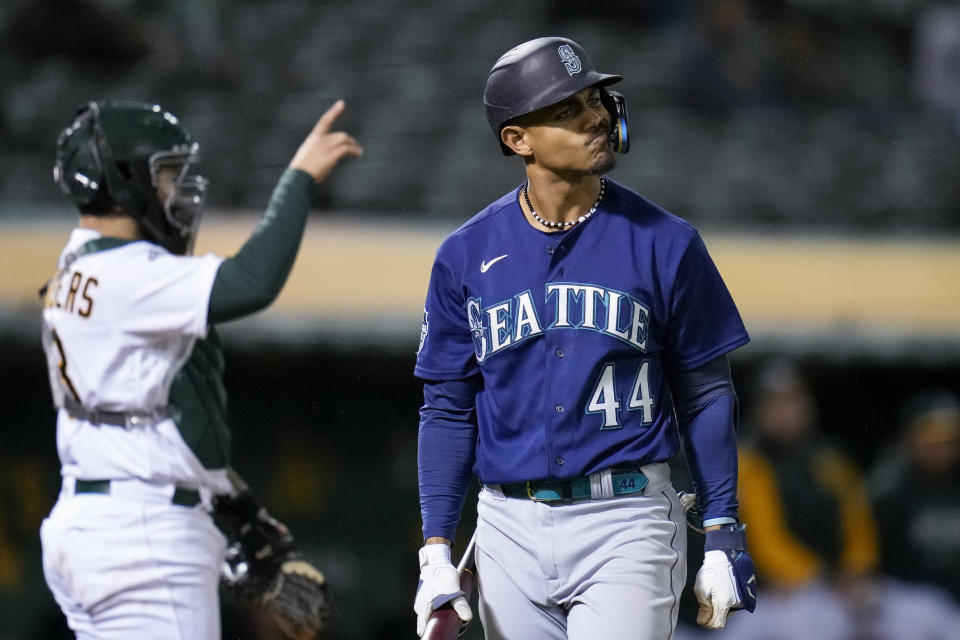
[130, 549]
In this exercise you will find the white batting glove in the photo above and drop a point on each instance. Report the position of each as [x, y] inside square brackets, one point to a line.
[439, 584]
[715, 590]
[725, 582]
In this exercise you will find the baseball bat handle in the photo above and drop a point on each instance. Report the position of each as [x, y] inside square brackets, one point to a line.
[467, 581]
[444, 623]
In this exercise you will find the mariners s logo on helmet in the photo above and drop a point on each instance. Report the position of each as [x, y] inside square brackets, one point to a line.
[570, 59]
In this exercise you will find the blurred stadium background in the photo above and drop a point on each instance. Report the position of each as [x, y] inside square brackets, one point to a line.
[815, 143]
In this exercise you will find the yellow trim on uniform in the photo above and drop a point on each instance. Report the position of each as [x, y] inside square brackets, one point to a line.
[779, 556]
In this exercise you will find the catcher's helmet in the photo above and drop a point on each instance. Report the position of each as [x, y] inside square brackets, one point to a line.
[112, 154]
[542, 72]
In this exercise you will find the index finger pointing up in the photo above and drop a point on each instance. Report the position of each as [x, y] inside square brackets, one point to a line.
[326, 120]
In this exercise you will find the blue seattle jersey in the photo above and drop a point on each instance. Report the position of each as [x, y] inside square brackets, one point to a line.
[574, 333]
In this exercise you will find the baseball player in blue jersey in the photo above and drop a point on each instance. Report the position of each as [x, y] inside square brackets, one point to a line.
[574, 341]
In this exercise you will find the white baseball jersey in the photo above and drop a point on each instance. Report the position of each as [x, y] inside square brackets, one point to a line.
[120, 321]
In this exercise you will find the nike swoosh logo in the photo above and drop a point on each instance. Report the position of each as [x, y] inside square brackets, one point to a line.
[486, 265]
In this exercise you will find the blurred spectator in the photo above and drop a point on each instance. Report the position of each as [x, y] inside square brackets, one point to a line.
[805, 54]
[813, 537]
[810, 530]
[916, 494]
[802, 496]
[730, 61]
[937, 62]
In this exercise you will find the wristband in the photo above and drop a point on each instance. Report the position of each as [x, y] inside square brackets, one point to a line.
[732, 537]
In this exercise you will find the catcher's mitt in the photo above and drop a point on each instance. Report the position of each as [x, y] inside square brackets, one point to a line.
[263, 565]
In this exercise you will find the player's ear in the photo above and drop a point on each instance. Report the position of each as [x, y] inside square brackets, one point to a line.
[514, 137]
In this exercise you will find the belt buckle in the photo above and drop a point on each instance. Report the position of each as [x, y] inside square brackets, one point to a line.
[133, 419]
[533, 496]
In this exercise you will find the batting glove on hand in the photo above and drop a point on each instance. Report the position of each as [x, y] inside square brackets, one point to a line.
[726, 581]
[439, 585]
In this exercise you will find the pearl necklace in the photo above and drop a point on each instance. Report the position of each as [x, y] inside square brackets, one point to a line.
[564, 225]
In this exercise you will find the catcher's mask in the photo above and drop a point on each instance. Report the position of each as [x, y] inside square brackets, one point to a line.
[542, 72]
[122, 153]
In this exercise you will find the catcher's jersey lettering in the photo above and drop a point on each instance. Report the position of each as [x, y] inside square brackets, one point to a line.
[566, 306]
[80, 286]
[62, 366]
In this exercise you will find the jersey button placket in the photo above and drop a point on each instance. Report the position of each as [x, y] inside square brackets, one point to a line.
[552, 374]
[556, 261]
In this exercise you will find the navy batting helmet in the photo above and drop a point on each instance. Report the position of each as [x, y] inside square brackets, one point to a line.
[542, 72]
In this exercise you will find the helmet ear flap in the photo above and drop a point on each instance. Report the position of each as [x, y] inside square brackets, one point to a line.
[79, 170]
[616, 104]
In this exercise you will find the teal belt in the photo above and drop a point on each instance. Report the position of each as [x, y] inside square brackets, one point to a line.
[625, 482]
[182, 497]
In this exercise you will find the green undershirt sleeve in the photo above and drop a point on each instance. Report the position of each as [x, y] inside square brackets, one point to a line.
[252, 279]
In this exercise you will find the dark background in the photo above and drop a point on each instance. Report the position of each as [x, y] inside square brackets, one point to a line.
[784, 117]
[783, 114]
